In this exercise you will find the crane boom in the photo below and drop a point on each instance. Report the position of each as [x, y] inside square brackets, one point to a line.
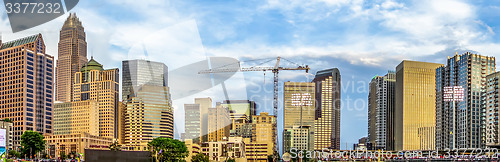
[275, 71]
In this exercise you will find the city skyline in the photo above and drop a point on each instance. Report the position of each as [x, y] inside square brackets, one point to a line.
[107, 41]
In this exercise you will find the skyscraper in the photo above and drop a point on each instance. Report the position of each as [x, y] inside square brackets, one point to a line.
[467, 71]
[491, 101]
[148, 115]
[299, 110]
[72, 55]
[415, 111]
[142, 72]
[381, 111]
[26, 85]
[196, 120]
[327, 115]
[92, 82]
[149, 112]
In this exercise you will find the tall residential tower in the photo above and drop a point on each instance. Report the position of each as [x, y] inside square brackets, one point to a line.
[462, 128]
[381, 111]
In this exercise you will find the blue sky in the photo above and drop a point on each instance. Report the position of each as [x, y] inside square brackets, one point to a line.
[361, 38]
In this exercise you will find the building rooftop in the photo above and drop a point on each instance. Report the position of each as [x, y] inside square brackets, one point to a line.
[20, 41]
[92, 65]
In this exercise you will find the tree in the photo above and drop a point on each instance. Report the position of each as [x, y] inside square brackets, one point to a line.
[200, 158]
[270, 158]
[230, 160]
[32, 142]
[7, 120]
[115, 146]
[167, 149]
[14, 153]
[63, 156]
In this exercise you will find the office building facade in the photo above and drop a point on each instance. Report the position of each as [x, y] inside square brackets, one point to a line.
[299, 110]
[26, 86]
[381, 111]
[149, 112]
[196, 120]
[72, 55]
[462, 128]
[415, 111]
[327, 115]
[94, 83]
[219, 124]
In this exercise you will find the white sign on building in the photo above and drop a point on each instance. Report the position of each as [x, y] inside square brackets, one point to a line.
[455, 93]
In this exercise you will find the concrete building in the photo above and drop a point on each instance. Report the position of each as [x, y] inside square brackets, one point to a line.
[299, 110]
[327, 115]
[257, 151]
[196, 120]
[264, 133]
[231, 148]
[72, 55]
[94, 83]
[240, 127]
[192, 148]
[469, 72]
[26, 89]
[122, 108]
[74, 143]
[381, 100]
[490, 99]
[415, 111]
[76, 117]
[297, 138]
[219, 124]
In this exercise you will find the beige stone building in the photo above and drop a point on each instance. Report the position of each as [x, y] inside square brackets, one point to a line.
[92, 82]
[232, 147]
[76, 117]
[219, 124]
[193, 149]
[74, 143]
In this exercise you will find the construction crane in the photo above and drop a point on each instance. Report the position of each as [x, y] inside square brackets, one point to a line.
[276, 69]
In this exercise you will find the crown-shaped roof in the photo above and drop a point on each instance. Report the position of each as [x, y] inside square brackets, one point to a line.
[91, 65]
[72, 21]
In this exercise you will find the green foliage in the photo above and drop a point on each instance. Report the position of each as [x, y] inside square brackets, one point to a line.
[7, 120]
[115, 146]
[167, 149]
[32, 142]
[230, 160]
[200, 158]
[14, 153]
[63, 156]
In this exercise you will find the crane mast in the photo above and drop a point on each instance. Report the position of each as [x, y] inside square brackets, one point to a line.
[276, 69]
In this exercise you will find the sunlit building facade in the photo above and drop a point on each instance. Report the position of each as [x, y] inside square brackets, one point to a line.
[219, 123]
[72, 55]
[469, 72]
[196, 120]
[26, 86]
[299, 110]
[94, 83]
[415, 111]
[381, 111]
[327, 115]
